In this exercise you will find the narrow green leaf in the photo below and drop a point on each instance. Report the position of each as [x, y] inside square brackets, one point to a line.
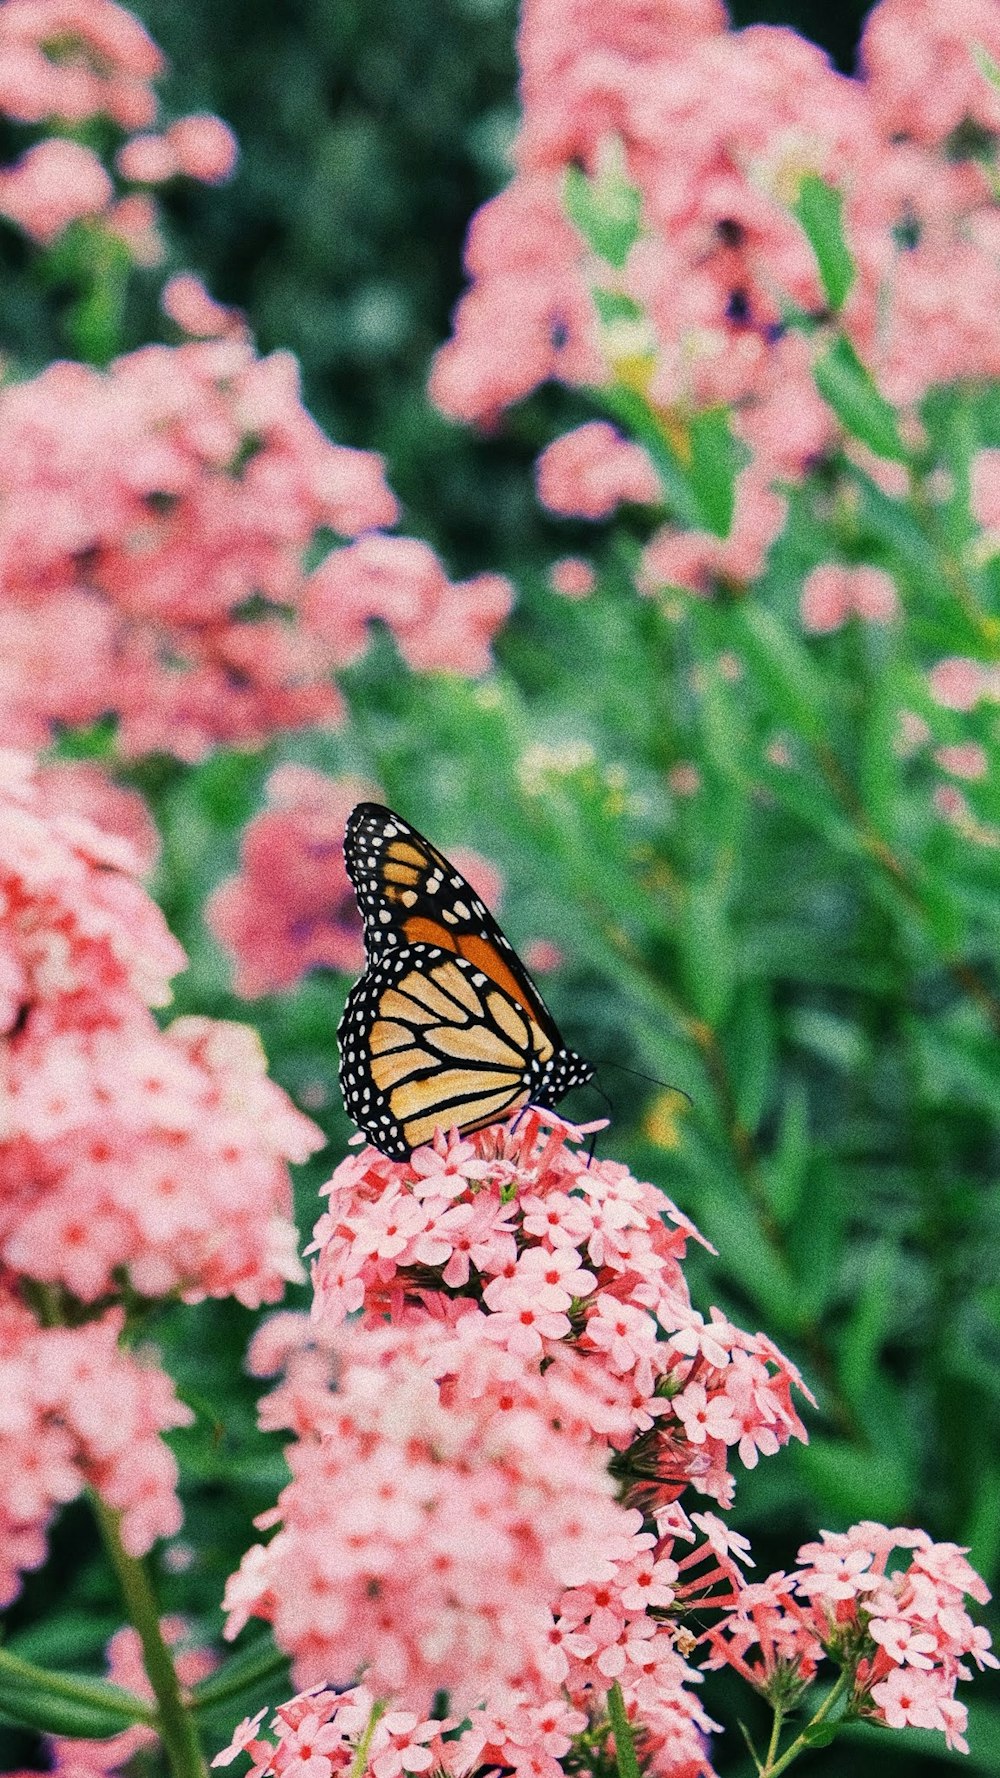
[707, 950]
[819, 208]
[241, 1674]
[715, 460]
[65, 1703]
[750, 1047]
[606, 210]
[783, 668]
[625, 1756]
[785, 1169]
[850, 389]
[867, 1329]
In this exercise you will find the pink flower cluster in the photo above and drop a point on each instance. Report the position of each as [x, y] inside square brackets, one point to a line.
[320, 1732]
[834, 592]
[903, 1633]
[450, 1523]
[161, 1155]
[153, 520]
[79, 1412]
[568, 1264]
[69, 61]
[715, 130]
[291, 908]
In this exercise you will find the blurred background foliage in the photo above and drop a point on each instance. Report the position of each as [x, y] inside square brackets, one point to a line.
[804, 949]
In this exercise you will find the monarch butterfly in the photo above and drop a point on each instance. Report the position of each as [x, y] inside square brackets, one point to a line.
[445, 1028]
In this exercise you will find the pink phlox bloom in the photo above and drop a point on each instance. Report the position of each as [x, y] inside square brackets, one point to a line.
[704, 1416]
[384, 1230]
[834, 1570]
[696, 1339]
[485, 1241]
[648, 1581]
[243, 1739]
[722, 1539]
[558, 1218]
[406, 1750]
[626, 1335]
[446, 1171]
[519, 1317]
[556, 1274]
[946, 1562]
[435, 1244]
[908, 1697]
[903, 1643]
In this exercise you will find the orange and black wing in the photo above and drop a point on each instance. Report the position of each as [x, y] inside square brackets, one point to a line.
[445, 1028]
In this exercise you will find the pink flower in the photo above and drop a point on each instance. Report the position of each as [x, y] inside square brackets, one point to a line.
[966, 760]
[204, 146]
[591, 471]
[292, 907]
[187, 302]
[831, 593]
[53, 184]
[959, 684]
[572, 577]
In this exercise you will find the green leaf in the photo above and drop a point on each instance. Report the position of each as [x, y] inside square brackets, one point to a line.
[820, 1734]
[707, 949]
[785, 1169]
[784, 669]
[240, 1675]
[819, 208]
[65, 1703]
[868, 1327]
[750, 1046]
[849, 388]
[715, 459]
[606, 210]
[855, 1481]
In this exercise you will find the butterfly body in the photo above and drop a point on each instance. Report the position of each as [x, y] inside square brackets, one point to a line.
[445, 1028]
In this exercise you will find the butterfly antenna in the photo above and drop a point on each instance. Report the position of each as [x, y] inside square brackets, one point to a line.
[593, 1138]
[637, 1074]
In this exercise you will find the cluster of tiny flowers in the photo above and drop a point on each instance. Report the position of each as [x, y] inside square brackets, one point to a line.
[574, 1267]
[125, 1150]
[903, 1634]
[291, 908]
[153, 522]
[451, 1521]
[451, 1525]
[79, 1412]
[715, 130]
[68, 62]
[322, 1732]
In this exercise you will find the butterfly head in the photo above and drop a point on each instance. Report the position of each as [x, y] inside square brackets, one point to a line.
[554, 1078]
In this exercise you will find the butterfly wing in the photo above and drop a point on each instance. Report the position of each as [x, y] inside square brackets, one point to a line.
[446, 1027]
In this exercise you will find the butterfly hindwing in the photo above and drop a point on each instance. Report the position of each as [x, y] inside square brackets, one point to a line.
[445, 1028]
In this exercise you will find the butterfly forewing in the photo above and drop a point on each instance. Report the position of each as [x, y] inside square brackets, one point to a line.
[445, 1028]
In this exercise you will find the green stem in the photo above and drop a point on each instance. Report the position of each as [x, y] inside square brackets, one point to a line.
[628, 1765]
[773, 1768]
[772, 1746]
[360, 1759]
[91, 1694]
[173, 1719]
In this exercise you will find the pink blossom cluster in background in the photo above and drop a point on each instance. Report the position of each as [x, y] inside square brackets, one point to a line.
[66, 62]
[78, 1411]
[153, 519]
[291, 907]
[715, 130]
[525, 1347]
[126, 1149]
[906, 1628]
